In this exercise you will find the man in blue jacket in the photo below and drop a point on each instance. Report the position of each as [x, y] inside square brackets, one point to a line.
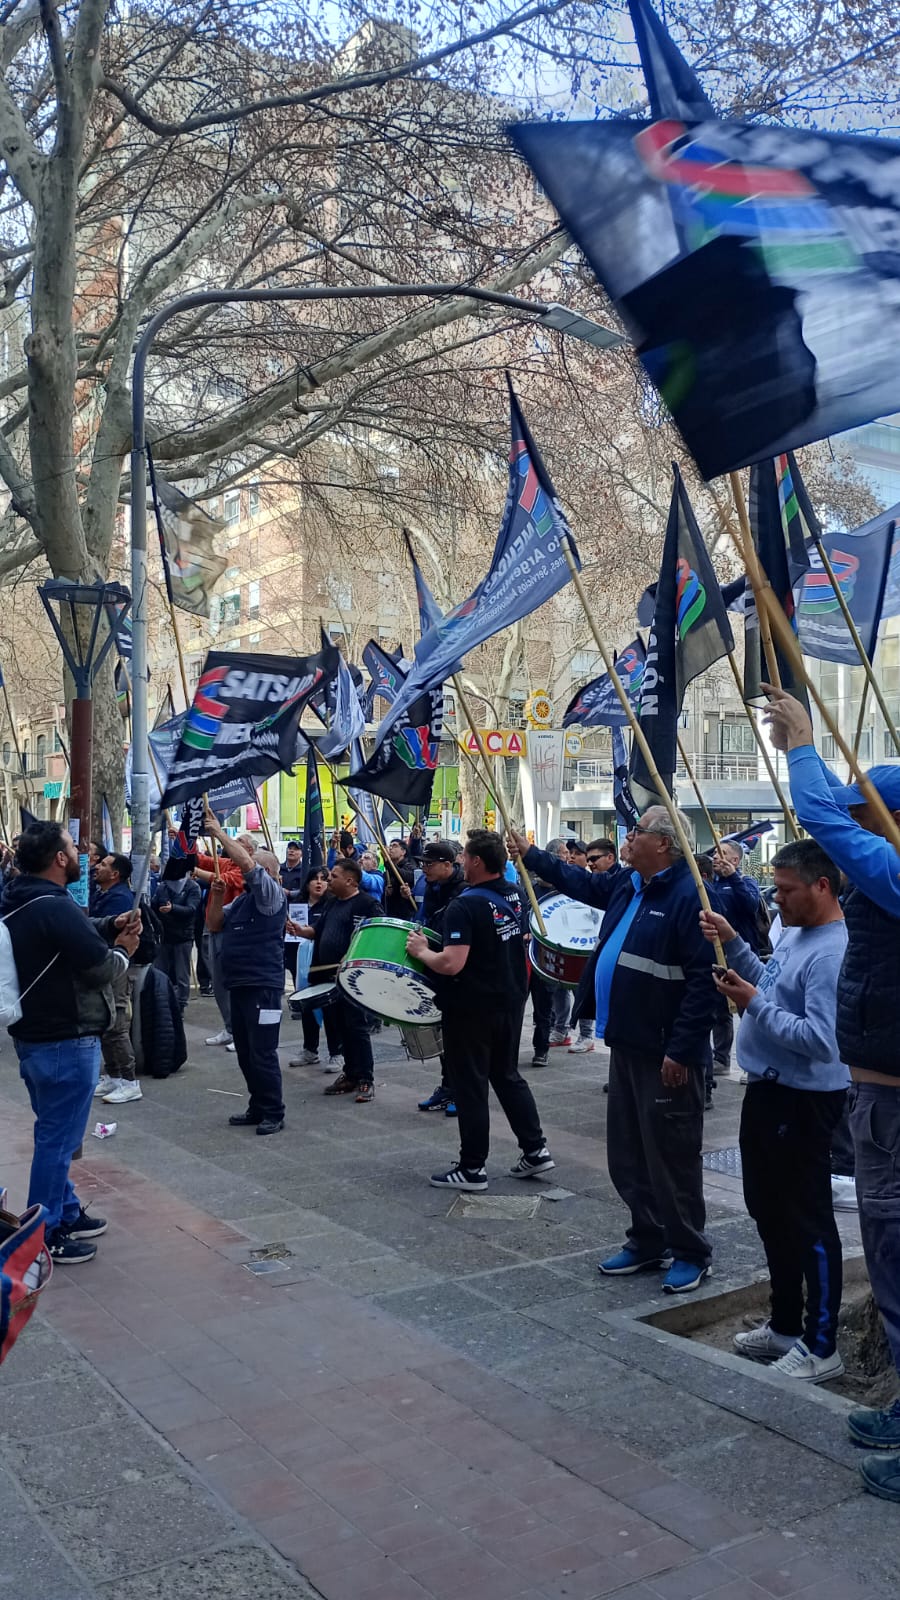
[848, 827]
[649, 987]
[252, 954]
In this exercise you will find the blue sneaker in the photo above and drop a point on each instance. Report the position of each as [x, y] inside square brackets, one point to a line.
[437, 1101]
[626, 1261]
[877, 1430]
[683, 1276]
[881, 1476]
[449, 1108]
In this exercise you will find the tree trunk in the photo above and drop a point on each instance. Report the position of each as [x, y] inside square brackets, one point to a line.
[110, 733]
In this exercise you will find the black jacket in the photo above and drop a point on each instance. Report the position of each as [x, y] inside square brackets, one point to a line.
[157, 1028]
[395, 903]
[662, 999]
[184, 895]
[73, 997]
[868, 988]
[438, 897]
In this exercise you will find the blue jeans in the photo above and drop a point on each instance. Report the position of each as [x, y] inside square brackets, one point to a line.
[60, 1076]
[875, 1125]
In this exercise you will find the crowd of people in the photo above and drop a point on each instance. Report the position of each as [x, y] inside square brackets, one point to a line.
[814, 996]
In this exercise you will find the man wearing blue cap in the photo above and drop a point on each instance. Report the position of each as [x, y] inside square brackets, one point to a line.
[852, 832]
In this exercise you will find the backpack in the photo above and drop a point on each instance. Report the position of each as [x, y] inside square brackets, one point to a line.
[151, 935]
[25, 1268]
[10, 995]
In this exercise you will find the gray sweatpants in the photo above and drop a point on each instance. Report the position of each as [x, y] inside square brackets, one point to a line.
[654, 1137]
[223, 997]
[875, 1125]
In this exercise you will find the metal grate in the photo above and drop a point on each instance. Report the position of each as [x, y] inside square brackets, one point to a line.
[727, 1161]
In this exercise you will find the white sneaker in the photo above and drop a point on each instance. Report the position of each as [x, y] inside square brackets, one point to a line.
[220, 1038]
[801, 1364]
[232, 1049]
[843, 1193]
[763, 1344]
[743, 1078]
[557, 1038]
[123, 1092]
[333, 1064]
[306, 1058]
[581, 1047]
[105, 1083]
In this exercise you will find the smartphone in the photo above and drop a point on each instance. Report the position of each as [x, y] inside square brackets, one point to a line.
[720, 972]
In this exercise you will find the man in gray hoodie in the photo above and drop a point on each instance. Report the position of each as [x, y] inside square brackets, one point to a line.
[795, 1098]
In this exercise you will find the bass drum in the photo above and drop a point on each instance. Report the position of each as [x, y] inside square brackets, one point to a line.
[561, 954]
[377, 973]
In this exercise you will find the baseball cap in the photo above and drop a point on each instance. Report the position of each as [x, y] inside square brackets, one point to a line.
[293, 844]
[885, 779]
[438, 850]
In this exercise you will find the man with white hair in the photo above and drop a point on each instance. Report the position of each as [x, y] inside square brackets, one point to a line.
[649, 987]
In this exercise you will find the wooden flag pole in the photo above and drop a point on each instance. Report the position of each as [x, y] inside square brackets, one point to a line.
[638, 734]
[525, 876]
[697, 791]
[790, 648]
[755, 573]
[389, 862]
[871, 680]
[789, 818]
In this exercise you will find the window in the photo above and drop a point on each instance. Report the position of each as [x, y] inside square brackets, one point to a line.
[736, 737]
[335, 631]
[340, 591]
[586, 664]
[253, 500]
[7, 753]
[890, 749]
[255, 637]
[865, 745]
[41, 753]
[828, 682]
[231, 505]
[829, 748]
[388, 597]
[253, 600]
[26, 756]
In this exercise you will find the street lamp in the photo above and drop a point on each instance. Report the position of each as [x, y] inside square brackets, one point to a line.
[549, 313]
[81, 607]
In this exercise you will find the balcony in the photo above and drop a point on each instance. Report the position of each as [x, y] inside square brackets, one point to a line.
[722, 767]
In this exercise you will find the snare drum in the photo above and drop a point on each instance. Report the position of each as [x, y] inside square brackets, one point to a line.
[378, 974]
[562, 954]
[303, 1001]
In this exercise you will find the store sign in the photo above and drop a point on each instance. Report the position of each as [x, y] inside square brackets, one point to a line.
[497, 741]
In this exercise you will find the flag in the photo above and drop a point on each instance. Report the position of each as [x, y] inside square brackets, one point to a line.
[430, 613]
[690, 631]
[191, 565]
[29, 820]
[401, 768]
[386, 675]
[528, 566]
[776, 523]
[106, 827]
[732, 599]
[755, 267]
[748, 838]
[597, 705]
[313, 856]
[672, 88]
[861, 564]
[165, 710]
[244, 719]
[336, 703]
[366, 820]
[623, 799]
[190, 825]
[123, 690]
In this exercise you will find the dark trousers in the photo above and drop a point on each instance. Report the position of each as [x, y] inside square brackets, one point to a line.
[542, 1013]
[256, 1041]
[843, 1154]
[175, 961]
[290, 960]
[204, 976]
[722, 1033]
[482, 1053]
[654, 1137]
[785, 1157]
[356, 1042]
[875, 1124]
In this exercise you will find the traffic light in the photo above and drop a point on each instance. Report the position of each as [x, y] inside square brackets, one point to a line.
[490, 819]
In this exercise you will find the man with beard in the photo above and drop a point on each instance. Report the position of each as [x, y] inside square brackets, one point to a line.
[66, 973]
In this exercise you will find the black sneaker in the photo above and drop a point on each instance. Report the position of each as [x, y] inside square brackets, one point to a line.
[270, 1125]
[68, 1252]
[529, 1166]
[84, 1227]
[460, 1178]
[244, 1119]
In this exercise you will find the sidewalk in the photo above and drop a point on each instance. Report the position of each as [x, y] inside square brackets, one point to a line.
[411, 1403]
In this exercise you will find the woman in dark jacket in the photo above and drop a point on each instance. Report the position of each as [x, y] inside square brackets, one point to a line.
[177, 901]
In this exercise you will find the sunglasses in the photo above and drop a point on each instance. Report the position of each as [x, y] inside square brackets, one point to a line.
[638, 828]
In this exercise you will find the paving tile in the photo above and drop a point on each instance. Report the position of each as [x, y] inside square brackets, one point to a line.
[692, 1581]
[95, 1460]
[179, 1518]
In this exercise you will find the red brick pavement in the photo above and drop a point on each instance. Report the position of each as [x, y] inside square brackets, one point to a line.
[372, 1457]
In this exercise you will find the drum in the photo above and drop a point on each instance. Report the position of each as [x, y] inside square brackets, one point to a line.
[422, 1043]
[562, 954]
[315, 998]
[378, 974]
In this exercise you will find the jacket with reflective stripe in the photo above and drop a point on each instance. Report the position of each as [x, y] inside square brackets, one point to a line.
[662, 999]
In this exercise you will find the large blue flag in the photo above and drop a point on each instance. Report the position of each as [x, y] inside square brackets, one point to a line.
[673, 90]
[623, 799]
[756, 267]
[366, 820]
[528, 566]
[386, 675]
[313, 856]
[430, 612]
[861, 561]
[597, 705]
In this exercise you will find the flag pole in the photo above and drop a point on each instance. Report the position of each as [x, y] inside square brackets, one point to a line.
[389, 861]
[638, 734]
[697, 791]
[754, 570]
[871, 680]
[790, 648]
[789, 818]
[500, 797]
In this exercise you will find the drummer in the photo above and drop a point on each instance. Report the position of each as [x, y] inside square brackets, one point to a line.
[346, 906]
[313, 890]
[444, 883]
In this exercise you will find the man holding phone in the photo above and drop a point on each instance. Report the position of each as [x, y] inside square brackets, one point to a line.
[794, 1101]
